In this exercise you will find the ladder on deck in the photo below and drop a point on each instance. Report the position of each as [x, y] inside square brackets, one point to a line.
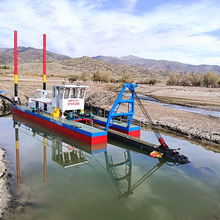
[130, 110]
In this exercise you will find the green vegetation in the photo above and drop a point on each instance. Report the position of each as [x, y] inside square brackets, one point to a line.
[152, 81]
[101, 76]
[73, 78]
[127, 78]
[209, 79]
[5, 67]
[85, 76]
[31, 74]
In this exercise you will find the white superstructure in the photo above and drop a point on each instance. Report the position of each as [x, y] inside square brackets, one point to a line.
[64, 97]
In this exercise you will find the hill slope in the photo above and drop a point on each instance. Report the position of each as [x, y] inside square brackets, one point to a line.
[92, 65]
[30, 60]
[157, 65]
[27, 55]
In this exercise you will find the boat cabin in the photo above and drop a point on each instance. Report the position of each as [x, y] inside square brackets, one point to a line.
[68, 97]
[64, 97]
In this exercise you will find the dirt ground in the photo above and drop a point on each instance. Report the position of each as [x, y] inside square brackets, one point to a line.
[200, 97]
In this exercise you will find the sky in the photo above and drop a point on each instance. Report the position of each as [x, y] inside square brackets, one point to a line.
[186, 31]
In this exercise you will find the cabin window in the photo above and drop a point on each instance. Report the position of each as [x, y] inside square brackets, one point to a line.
[82, 92]
[74, 93]
[57, 91]
[66, 93]
[37, 94]
[61, 93]
[54, 92]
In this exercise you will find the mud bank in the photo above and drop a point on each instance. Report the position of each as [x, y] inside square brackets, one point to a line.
[194, 126]
[188, 103]
[194, 97]
[5, 196]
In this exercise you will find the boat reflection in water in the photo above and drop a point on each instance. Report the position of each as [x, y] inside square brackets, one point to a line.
[66, 152]
[69, 153]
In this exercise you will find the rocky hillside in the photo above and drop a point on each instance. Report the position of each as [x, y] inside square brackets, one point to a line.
[93, 65]
[32, 66]
[158, 65]
[27, 55]
[30, 62]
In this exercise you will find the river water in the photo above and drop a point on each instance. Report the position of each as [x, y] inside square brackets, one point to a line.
[61, 181]
[180, 107]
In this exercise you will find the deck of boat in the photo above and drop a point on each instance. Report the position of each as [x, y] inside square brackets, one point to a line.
[83, 132]
[120, 126]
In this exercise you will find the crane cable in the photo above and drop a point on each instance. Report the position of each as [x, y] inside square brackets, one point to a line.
[106, 96]
[154, 129]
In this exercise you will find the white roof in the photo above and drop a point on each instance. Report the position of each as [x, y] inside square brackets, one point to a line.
[70, 86]
[45, 91]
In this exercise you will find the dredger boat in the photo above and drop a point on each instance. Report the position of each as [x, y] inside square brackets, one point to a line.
[62, 109]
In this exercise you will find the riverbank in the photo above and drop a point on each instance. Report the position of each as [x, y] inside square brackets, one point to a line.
[5, 197]
[191, 125]
[203, 128]
[194, 126]
[195, 97]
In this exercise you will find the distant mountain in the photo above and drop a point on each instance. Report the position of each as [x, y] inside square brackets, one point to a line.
[159, 65]
[30, 60]
[92, 65]
[27, 55]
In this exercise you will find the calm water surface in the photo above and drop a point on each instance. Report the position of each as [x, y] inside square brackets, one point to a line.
[137, 187]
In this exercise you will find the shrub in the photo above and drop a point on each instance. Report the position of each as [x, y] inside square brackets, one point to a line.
[5, 67]
[172, 80]
[196, 79]
[210, 79]
[97, 76]
[113, 80]
[101, 76]
[73, 78]
[106, 76]
[184, 79]
[127, 78]
[85, 76]
[152, 81]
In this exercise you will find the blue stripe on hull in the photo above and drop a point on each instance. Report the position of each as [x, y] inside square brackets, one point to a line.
[101, 133]
[118, 126]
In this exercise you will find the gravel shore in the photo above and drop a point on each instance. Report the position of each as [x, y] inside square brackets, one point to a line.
[4, 194]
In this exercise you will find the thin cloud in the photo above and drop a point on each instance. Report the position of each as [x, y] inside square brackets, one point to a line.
[129, 4]
[177, 32]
